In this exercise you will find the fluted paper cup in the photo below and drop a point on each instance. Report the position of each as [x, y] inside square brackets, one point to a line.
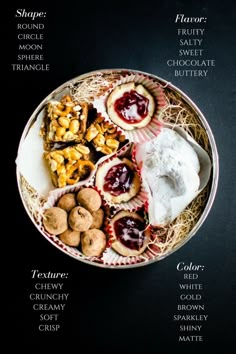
[138, 135]
[135, 202]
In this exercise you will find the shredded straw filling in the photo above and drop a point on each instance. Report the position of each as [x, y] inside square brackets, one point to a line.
[32, 199]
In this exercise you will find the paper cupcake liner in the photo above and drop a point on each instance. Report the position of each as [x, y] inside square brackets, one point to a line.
[112, 258]
[137, 201]
[138, 135]
[52, 201]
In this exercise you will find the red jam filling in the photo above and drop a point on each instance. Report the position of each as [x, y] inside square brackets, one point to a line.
[129, 231]
[132, 107]
[118, 179]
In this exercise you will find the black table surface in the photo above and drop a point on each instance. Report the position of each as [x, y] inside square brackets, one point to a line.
[126, 310]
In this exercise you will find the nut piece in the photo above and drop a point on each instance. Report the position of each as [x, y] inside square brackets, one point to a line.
[112, 143]
[83, 149]
[98, 217]
[89, 199]
[93, 242]
[80, 219]
[91, 133]
[55, 220]
[74, 126]
[99, 140]
[67, 202]
[60, 132]
[106, 150]
[64, 122]
[75, 155]
[70, 237]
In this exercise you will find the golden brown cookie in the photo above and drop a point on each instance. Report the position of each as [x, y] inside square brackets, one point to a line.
[89, 199]
[80, 219]
[98, 217]
[93, 242]
[67, 202]
[55, 220]
[70, 237]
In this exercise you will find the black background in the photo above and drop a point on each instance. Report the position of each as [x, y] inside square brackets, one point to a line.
[128, 311]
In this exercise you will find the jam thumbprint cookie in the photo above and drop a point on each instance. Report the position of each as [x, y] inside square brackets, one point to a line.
[117, 180]
[130, 106]
[130, 233]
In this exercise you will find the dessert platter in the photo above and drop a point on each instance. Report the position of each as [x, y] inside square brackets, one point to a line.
[117, 168]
